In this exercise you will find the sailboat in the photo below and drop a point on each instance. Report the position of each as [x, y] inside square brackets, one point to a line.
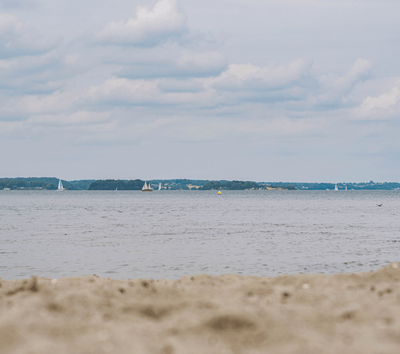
[60, 186]
[159, 186]
[147, 187]
[336, 188]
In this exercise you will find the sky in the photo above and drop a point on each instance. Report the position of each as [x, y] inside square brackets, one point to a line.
[272, 90]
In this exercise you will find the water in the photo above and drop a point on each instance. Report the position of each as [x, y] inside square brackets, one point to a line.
[169, 234]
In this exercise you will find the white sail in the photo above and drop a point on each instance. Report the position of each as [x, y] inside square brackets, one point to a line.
[159, 186]
[336, 188]
[147, 187]
[60, 185]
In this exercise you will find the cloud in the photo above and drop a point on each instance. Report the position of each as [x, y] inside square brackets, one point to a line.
[382, 107]
[25, 106]
[148, 28]
[334, 91]
[175, 86]
[151, 93]
[79, 118]
[247, 77]
[123, 91]
[18, 39]
[29, 62]
[33, 74]
[292, 87]
[358, 71]
[172, 62]
[156, 43]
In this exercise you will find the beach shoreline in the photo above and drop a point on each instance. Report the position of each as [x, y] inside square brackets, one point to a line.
[303, 313]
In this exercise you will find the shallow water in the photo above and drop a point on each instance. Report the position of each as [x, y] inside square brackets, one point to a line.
[168, 234]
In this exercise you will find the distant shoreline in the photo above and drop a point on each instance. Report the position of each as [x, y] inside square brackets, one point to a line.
[50, 183]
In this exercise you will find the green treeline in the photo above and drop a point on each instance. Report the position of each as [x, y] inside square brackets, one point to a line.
[51, 183]
[232, 185]
[240, 185]
[342, 186]
[23, 184]
[112, 184]
[48, 183]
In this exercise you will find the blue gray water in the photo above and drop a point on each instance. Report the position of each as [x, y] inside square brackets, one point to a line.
[169, 234]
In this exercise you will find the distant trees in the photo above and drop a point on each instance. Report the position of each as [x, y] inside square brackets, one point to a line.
[230, 185]
[342, 186]
[77, 185]
[112, 184]
[242, 185]
[20, 183]
[49, 183]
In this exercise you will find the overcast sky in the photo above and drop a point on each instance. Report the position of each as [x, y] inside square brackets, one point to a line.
[271, 90]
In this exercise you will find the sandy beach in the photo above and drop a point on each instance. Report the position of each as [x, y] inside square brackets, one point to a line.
[344, 313]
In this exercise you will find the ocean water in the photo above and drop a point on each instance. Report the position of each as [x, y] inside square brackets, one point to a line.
[169, 234]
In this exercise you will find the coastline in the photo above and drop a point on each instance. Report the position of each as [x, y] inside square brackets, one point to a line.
[303, 313]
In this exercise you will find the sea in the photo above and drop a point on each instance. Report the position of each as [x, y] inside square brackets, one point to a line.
[170, 234]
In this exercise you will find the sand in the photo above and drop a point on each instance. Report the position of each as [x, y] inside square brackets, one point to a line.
[344, 313]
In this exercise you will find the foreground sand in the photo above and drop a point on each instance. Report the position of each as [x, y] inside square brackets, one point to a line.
[345, 313]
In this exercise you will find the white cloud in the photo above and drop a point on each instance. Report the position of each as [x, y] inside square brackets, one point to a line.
[246, 76]
[148, 28]
[289, 87]
[53, 103]
[384, 101]
[292, 86]
[358, 71]
[384, 106]
[334, 91]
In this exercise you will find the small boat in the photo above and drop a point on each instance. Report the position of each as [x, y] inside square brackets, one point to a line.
[147, 187]
[60, 186]
[336, 188]
[159, 186]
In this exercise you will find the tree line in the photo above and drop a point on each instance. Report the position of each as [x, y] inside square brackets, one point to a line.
[240, 185]
[112, 184]
[23, 184]
[48, 183]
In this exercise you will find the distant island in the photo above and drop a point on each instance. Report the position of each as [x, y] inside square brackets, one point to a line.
[50, 183]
